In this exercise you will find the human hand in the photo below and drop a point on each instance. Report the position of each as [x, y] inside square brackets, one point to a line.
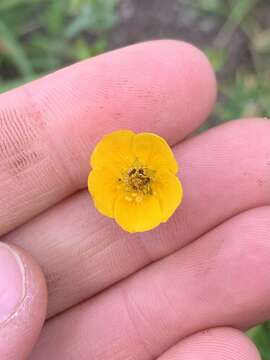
[114, 295]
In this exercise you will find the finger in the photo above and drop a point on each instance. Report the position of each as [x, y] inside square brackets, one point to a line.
[213, 344]
[225, 168]
[223, 279]
[49, 127]
[23, 300]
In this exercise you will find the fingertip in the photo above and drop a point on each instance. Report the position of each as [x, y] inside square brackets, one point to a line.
[200, 79]
[24, 302]
[192, 69]
[211, 344]
[191, 84]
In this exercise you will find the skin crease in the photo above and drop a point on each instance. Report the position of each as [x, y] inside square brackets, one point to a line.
[157, 291]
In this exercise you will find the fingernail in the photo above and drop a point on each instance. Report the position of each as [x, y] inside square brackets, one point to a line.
[11, 282]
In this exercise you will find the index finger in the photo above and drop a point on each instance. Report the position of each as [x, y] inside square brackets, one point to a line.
[49, 127]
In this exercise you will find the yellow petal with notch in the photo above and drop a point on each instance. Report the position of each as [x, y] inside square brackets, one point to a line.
[114, 151]
[153, 151]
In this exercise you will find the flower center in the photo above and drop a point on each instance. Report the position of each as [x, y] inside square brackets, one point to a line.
[137, 182]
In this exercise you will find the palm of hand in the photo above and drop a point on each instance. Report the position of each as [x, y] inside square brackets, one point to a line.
[139, 295]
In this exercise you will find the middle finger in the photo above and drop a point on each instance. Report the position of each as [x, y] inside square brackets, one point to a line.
[82, 252]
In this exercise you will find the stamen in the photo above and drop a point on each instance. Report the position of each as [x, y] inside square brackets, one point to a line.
[137, 181]
[131, 172]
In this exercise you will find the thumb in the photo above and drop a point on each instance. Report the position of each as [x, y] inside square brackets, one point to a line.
[23, 301]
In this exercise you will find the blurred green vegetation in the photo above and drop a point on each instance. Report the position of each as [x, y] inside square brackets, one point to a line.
[247, 92]
[39, 36]
[261, 336]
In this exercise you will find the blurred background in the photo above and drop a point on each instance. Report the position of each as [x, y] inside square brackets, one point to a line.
[40, 36]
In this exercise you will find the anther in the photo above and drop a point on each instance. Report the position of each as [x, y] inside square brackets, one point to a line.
[132, 172]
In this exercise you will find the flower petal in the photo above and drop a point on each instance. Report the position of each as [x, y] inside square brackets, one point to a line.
[104, 189]
[154, 151]
[114, 150]
[169, 191]
[137, 217]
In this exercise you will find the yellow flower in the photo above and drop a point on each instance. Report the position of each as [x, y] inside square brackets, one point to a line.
[133, 180]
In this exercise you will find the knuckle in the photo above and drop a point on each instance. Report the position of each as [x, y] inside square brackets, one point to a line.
[20, 133]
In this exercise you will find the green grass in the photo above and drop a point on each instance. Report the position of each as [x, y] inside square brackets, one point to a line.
[40, 36]
[246, 93]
